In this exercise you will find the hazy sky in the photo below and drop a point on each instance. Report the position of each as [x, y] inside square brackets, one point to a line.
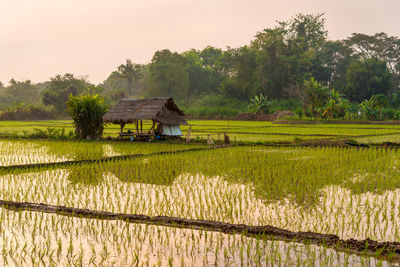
[42, 38]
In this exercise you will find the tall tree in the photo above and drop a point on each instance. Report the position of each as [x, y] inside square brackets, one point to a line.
[131, 72]
[380, 46]
[20, 92]
[238, 67]
[168, 75]
[330, 64]
[305, 31]
[273, 69]
[366, 78]
[60, 87]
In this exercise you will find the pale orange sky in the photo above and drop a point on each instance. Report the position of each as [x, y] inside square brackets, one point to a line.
[42, 38]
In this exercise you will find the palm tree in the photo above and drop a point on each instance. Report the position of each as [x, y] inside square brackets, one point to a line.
[131, 72]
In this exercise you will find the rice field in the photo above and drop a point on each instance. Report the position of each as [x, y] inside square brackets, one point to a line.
[240, 131]
[350, 192]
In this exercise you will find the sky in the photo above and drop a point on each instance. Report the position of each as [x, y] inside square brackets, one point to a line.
[42, 38]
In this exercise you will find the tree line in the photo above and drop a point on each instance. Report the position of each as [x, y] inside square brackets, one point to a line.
[293, 64]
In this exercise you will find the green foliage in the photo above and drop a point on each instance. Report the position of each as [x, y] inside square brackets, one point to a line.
[260, 104]
[238, 69]
[214, 106]
[397, 115]
[60, 87]
[19, 92]
[168, 76]
[24, 111]
[49, 133]
[132, 73]
[315, 96]
[336, 106]
[87, 113]
[370, 109]
[366, 78]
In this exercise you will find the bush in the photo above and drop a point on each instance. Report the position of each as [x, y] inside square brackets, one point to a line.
[87, 111]
[28, 112]
[214, 106]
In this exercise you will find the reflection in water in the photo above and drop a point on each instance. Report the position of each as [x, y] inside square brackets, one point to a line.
[32, 238]
[338, 211]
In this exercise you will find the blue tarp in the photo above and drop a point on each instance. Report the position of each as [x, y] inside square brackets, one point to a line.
[171, 130]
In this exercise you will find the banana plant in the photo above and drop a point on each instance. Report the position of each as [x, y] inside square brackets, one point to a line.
[259, 103]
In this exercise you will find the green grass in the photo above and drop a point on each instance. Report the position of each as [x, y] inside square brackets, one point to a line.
[245, 131]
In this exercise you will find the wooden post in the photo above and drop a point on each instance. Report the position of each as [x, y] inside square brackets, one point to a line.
[122, 128]
[141, 125]
[137, 130]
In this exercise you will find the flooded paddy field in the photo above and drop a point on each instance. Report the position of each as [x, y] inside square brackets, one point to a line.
[349, 192]
[32, 238]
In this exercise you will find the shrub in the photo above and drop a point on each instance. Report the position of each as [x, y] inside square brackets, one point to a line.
[87, 111]
[24, 111]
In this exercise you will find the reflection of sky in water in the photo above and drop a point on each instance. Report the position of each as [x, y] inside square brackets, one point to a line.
[338, 211]
[75, 241]
[18, 153]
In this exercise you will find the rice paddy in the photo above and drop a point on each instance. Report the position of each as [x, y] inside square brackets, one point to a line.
[350, 192]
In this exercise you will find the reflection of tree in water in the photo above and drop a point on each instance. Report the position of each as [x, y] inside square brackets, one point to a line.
[78, 150]
[276, 175]
[141, 170]
[88, 174]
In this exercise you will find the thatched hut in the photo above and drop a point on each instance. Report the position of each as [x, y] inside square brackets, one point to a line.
[163, 112]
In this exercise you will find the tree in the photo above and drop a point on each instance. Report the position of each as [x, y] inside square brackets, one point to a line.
[198, 75]
[380, 46]
[336, 106]
[60, 87]
[366, 78]
[314, 96]
[285, 53]
[20, 91]
[168, 75]
[272, 64]
[380, 101]
[131, 72]
[330, 63]
[305, 30]
[209, 56]
[259, 103]
[87, 112]
[369, 108]
[238, 67]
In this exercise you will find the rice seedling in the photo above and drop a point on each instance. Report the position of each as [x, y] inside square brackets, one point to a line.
[31, 238]
[349, 192]
[345, 192]
[20, 152]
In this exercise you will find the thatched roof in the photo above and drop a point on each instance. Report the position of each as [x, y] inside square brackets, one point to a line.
[162, 110]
